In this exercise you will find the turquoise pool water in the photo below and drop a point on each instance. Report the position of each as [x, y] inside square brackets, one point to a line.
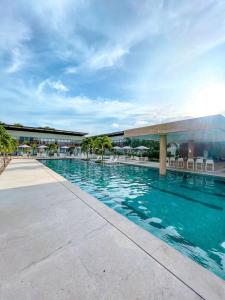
[186, 211]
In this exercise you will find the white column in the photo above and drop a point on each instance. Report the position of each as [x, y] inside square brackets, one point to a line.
[162, 154]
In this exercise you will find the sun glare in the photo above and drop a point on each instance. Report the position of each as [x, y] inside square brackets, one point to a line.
[208, 100]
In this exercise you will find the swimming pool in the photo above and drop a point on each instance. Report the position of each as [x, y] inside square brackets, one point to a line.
[185, 210]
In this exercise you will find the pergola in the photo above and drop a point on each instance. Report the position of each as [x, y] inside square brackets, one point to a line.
[203, 129]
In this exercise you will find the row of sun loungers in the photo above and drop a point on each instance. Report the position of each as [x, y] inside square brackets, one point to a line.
[195, 165]
[62, 155]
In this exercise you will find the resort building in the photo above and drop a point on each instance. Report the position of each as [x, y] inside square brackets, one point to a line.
[44, 136]
[116, 137]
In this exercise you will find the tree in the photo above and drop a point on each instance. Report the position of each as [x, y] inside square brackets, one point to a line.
[153, 147]
[86, 145]
[13, 144]
[7, 143]
[102, 143]
[52, 148]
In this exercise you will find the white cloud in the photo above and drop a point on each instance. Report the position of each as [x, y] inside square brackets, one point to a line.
[17, 61]
[115, 125]
[107, 57]
[55, 85]
[141, 123]
[58, 85]
[71, 70]
[15, 33]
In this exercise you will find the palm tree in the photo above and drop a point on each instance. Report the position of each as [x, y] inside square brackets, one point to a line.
[13, 144]
[7, 143]
[52, 148]
[87, 145]
[102, 143]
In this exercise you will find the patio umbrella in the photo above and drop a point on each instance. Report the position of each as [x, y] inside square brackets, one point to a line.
[116, 148]
[127, 148]
[24, 146]
[142, 148]
[42, 147]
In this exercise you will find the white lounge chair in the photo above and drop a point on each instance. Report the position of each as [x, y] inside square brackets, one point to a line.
[122, 157]
[209, 165]
[199, 164]
[190, 164]
[172, 162]
[180, 163]
[111, 160]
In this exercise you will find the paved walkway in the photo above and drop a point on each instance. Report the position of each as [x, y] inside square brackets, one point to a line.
[58, 242]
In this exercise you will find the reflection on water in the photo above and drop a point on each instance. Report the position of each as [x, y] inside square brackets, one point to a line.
[187, 211]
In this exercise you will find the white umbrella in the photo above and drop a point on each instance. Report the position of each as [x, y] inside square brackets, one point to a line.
[127, 148]
[116, 148]
[42, 147]
[64, 147]
[142, 148]
[24, 146]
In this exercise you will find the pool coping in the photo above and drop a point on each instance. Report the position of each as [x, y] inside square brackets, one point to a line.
[203, 282]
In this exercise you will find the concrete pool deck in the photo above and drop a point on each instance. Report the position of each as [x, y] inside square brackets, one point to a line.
[58, 242]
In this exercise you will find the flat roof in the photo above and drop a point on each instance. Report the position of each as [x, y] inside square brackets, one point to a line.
[43, 130]
[117, 133]
[194, 124]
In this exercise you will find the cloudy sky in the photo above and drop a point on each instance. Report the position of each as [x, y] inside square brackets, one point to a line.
[102, 66]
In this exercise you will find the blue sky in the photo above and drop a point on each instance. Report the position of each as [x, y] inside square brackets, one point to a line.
[102, 66]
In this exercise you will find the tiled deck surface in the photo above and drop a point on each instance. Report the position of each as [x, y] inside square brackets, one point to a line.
[58, 242]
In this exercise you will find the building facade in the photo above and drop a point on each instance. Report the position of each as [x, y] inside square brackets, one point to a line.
[45, 136]
[116, 137]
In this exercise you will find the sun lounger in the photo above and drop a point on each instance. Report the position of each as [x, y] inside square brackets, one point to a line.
[209, 165]
[111, 160]
[180, 163]
[172, 162]
[190, 164]
[199, 164]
